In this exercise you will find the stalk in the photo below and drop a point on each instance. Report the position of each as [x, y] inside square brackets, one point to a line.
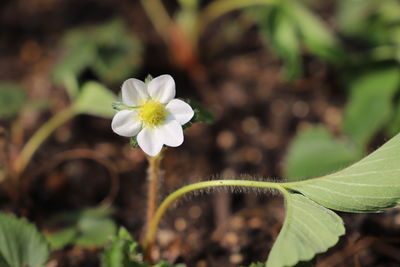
[221, 7]
[153, 175]
[151, 231]
[39, 137]
[159, 17]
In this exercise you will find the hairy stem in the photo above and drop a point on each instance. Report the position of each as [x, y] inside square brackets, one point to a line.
[153, 175]
[151, 231]
[39, 137]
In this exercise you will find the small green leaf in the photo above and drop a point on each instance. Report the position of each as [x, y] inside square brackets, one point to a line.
[122, 251]
[119, 106]
[316, 152]
[371, 23]
[95, 99]
[20, 243]
[200, 113]
[370, 104]
[317, 37]
[12, 99]
[62, 238]
[108, 50]
[148, 79]
[89, 227]
[133, 142]
[94, 231]
[278, 29]
[353, 16]
[370, 185]
[308, 229]
[70, 81]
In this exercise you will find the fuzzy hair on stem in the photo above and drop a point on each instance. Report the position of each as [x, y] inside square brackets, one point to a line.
[203, 187]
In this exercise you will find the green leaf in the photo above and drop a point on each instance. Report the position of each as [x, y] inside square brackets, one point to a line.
[370, 185]
[87, 228]
[95, 99]
[122, 251]
[316, 36]
[119, 106]
[108, 50]
[94, 231]
[12, 99]
[370, 104]
[133, 142]
[278, 29]
[353, 16]
[20, 243]
[70, 81]
[62, 238]
[316, 152]
[200, 113]
[373, 23]
[308, 229]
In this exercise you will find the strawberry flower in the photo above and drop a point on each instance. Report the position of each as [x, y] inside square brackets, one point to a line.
[152, 114]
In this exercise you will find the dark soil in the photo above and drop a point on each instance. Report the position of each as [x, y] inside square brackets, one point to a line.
[257, 114]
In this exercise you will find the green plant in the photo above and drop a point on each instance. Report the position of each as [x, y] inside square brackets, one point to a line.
[123, 251]
[12, 100]
[310, 226]
[315, 152]
[20, 243]
[93, 99]
[85, 228]
[109, 51]
[182, 31]
[371, 75]
[290, 25]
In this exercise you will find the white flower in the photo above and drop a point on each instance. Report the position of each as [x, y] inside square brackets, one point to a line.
[153, 114]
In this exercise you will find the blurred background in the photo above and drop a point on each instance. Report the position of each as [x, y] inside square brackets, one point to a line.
[297, 89]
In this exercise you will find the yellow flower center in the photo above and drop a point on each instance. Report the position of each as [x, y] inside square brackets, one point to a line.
[152, 113]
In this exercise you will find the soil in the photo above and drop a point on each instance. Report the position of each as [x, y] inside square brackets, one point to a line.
[257, 114]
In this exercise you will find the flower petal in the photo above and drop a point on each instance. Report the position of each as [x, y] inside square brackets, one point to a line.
[162, 88]
[126, 123]
[149, 141]
[171, 133]
[134, 92]
[180, 111]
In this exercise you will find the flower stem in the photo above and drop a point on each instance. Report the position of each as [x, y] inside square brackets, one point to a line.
[151, 230]
[39, 137]
[153, 175]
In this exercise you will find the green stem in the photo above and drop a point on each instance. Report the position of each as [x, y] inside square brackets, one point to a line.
[159, 17]
[153, 176]
[150, 234]
[218, 8]
[39, 137]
